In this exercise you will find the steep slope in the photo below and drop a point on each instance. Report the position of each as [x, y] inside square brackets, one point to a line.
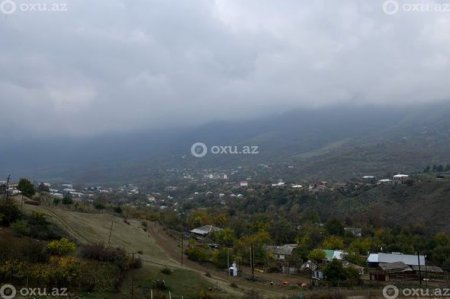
[327, 143]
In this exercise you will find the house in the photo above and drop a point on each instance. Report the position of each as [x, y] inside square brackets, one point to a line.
[330, 255]
[203, 231]
[387, 266]
[428, 269]
[400, 178]
[316, 277]
[384, 182]
[243, 184]
[279, 184]
[411, 260]
[388, 271]
[309, 266]
[281, 253]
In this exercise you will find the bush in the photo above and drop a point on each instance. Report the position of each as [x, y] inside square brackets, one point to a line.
[21, 227]
[9, 212]
[67, 200]
[24, 250]
[160, 285]
[62, 247]
[100, 252]
[166, 271]
[40, 228]
[197, 254]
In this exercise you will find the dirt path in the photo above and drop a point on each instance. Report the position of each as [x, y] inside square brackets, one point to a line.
[172, 248]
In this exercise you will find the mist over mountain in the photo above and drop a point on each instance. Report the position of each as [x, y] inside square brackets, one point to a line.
[321, 143]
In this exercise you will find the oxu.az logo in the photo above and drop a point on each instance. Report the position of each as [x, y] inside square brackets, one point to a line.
[9, 7]
[8, 291]
[199, 150]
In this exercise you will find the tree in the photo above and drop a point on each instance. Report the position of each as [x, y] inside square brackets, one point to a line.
[333, 242]
[9, 212]
[67, 200]
[26, 187]
[317, 255]
[224, 237]
[335, 227]
[334, 271]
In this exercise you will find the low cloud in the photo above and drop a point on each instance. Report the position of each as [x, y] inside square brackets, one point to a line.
[116, 65]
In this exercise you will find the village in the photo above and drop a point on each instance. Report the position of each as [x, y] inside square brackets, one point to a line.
[324, 254]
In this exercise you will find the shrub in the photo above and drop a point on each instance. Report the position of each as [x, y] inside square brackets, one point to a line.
[100, 252]
[197, 254]
[166, 271]
[9, 212]
[23, 249]
[62, 247]
[21, 227]
[160, 285]
[67, 200]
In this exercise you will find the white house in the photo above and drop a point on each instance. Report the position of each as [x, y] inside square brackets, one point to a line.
[407, 259]
[400, 178]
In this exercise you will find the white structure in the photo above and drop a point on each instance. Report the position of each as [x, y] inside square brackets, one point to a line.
[205, 230]
[400, 178]
[384, 181]
[407, 259]
[243, 184]
[279, 184]
[233, 270]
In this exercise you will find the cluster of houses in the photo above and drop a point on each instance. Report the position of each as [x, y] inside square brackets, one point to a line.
[10, 188]
[380, 266]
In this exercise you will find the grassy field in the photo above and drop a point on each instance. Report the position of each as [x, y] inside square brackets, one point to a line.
[95, 228]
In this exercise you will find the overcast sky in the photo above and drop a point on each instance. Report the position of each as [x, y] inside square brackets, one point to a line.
[118, 65]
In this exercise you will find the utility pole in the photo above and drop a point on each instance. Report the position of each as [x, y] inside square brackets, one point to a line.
[252, 261]
[420, 273]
